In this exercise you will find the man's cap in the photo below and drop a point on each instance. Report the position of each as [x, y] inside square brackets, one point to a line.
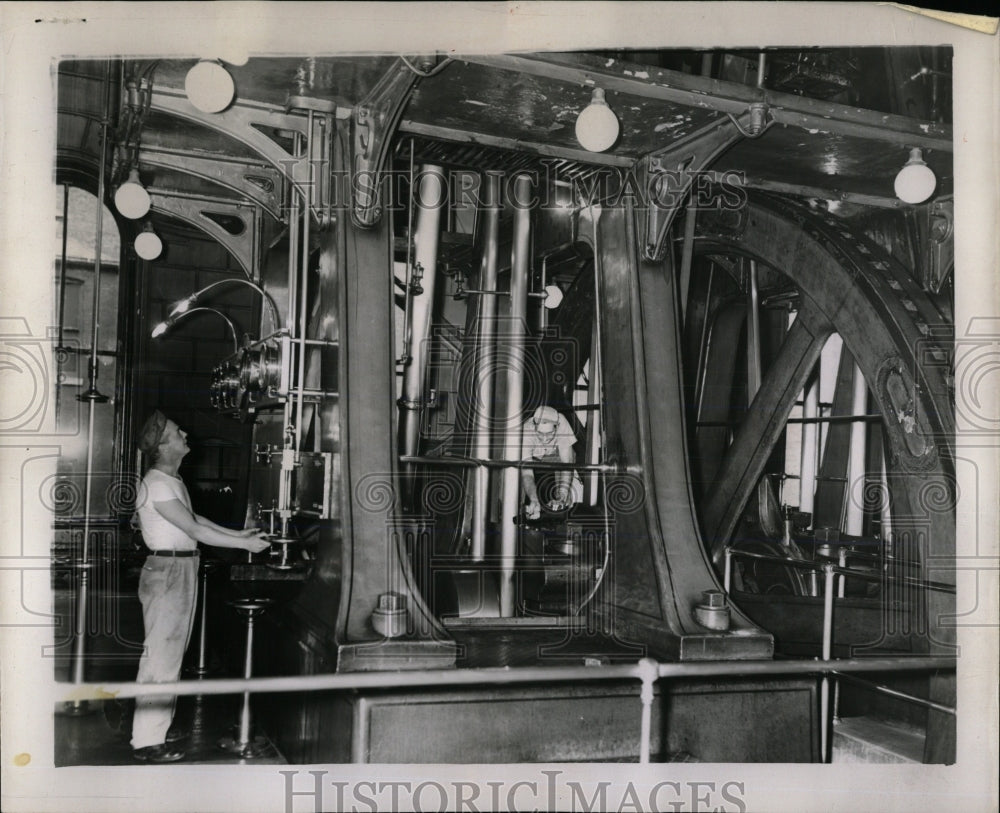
[152, 432]
[545, 413]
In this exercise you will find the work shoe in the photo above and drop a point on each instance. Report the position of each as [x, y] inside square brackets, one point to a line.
[178, 733]
[159, 753]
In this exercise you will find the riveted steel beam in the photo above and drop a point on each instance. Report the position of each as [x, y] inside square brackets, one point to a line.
[250, 125]
[201, 212]
[258, 182]
[725, 97]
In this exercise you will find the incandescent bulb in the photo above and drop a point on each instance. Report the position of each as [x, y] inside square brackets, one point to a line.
[916, 181]
[131, 198]
[209, 87]
[148, 245]
[597, 126]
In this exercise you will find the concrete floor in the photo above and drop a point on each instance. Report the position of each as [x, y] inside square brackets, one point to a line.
[101, 736]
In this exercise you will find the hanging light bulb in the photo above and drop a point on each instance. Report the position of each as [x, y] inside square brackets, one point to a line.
[915, 181]
[597, 126]
[131, 198]
[553, 297]
[148, 245]
[209, 87]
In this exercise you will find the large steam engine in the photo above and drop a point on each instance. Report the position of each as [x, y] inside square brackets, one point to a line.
[550, 361]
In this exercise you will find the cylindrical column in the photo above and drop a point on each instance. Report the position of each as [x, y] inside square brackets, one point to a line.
[824, 686]
[431, 196]
[243, 742]
[482, 397]
[519, 263]
[854, 514]
[247, 673]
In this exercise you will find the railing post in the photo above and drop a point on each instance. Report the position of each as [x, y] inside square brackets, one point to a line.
[824, 687]
[649, 671]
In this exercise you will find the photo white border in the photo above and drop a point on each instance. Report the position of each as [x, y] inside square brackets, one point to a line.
[34, 35]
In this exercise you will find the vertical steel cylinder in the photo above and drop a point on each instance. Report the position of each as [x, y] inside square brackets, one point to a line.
[431, 197]
[519, 265]
[482, 399]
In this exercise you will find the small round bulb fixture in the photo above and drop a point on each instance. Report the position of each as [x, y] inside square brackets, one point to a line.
[553, 297]
[159, 330]
[131, 198]
[916, 181]
[209, 87]
[148, 245]
[597, 126]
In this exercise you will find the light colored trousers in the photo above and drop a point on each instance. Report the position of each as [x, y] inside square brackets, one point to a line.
[168, 591]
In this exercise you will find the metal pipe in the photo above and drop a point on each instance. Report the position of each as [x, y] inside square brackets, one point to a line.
[885, 521]
[841, 578]
[173, 320]
[482, 397]
[824, 687]
[469, 462]
[407, 294]
[303, 292]
[294, 227]
[594, 417]
[507, 675]
[245, 721]
[62, 265]
[648, 675]
[430, 198]
[515, 392]
[93, 397]
[854, 515]
[202, 668]
[182, 305]
[728, 574]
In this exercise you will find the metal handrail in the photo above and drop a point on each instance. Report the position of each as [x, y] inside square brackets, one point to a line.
[472, 462]
[829, 571]
[647, 670]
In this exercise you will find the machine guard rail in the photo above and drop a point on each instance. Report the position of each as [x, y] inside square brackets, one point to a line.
[647, 670]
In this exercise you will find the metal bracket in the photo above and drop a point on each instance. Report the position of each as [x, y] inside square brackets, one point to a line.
[670, 172]
[198, 211]
[375, 121]
[257, 182]
[249, 124]
[939, 254]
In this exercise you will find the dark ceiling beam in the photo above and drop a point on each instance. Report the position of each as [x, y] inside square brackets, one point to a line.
[411, 127]
[804, 191]
[726, 97]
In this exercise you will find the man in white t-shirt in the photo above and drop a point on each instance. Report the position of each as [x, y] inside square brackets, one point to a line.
[168, 586]
[547, 437]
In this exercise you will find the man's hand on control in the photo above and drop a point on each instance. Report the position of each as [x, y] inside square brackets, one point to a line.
[255, 541]
[533, 510]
